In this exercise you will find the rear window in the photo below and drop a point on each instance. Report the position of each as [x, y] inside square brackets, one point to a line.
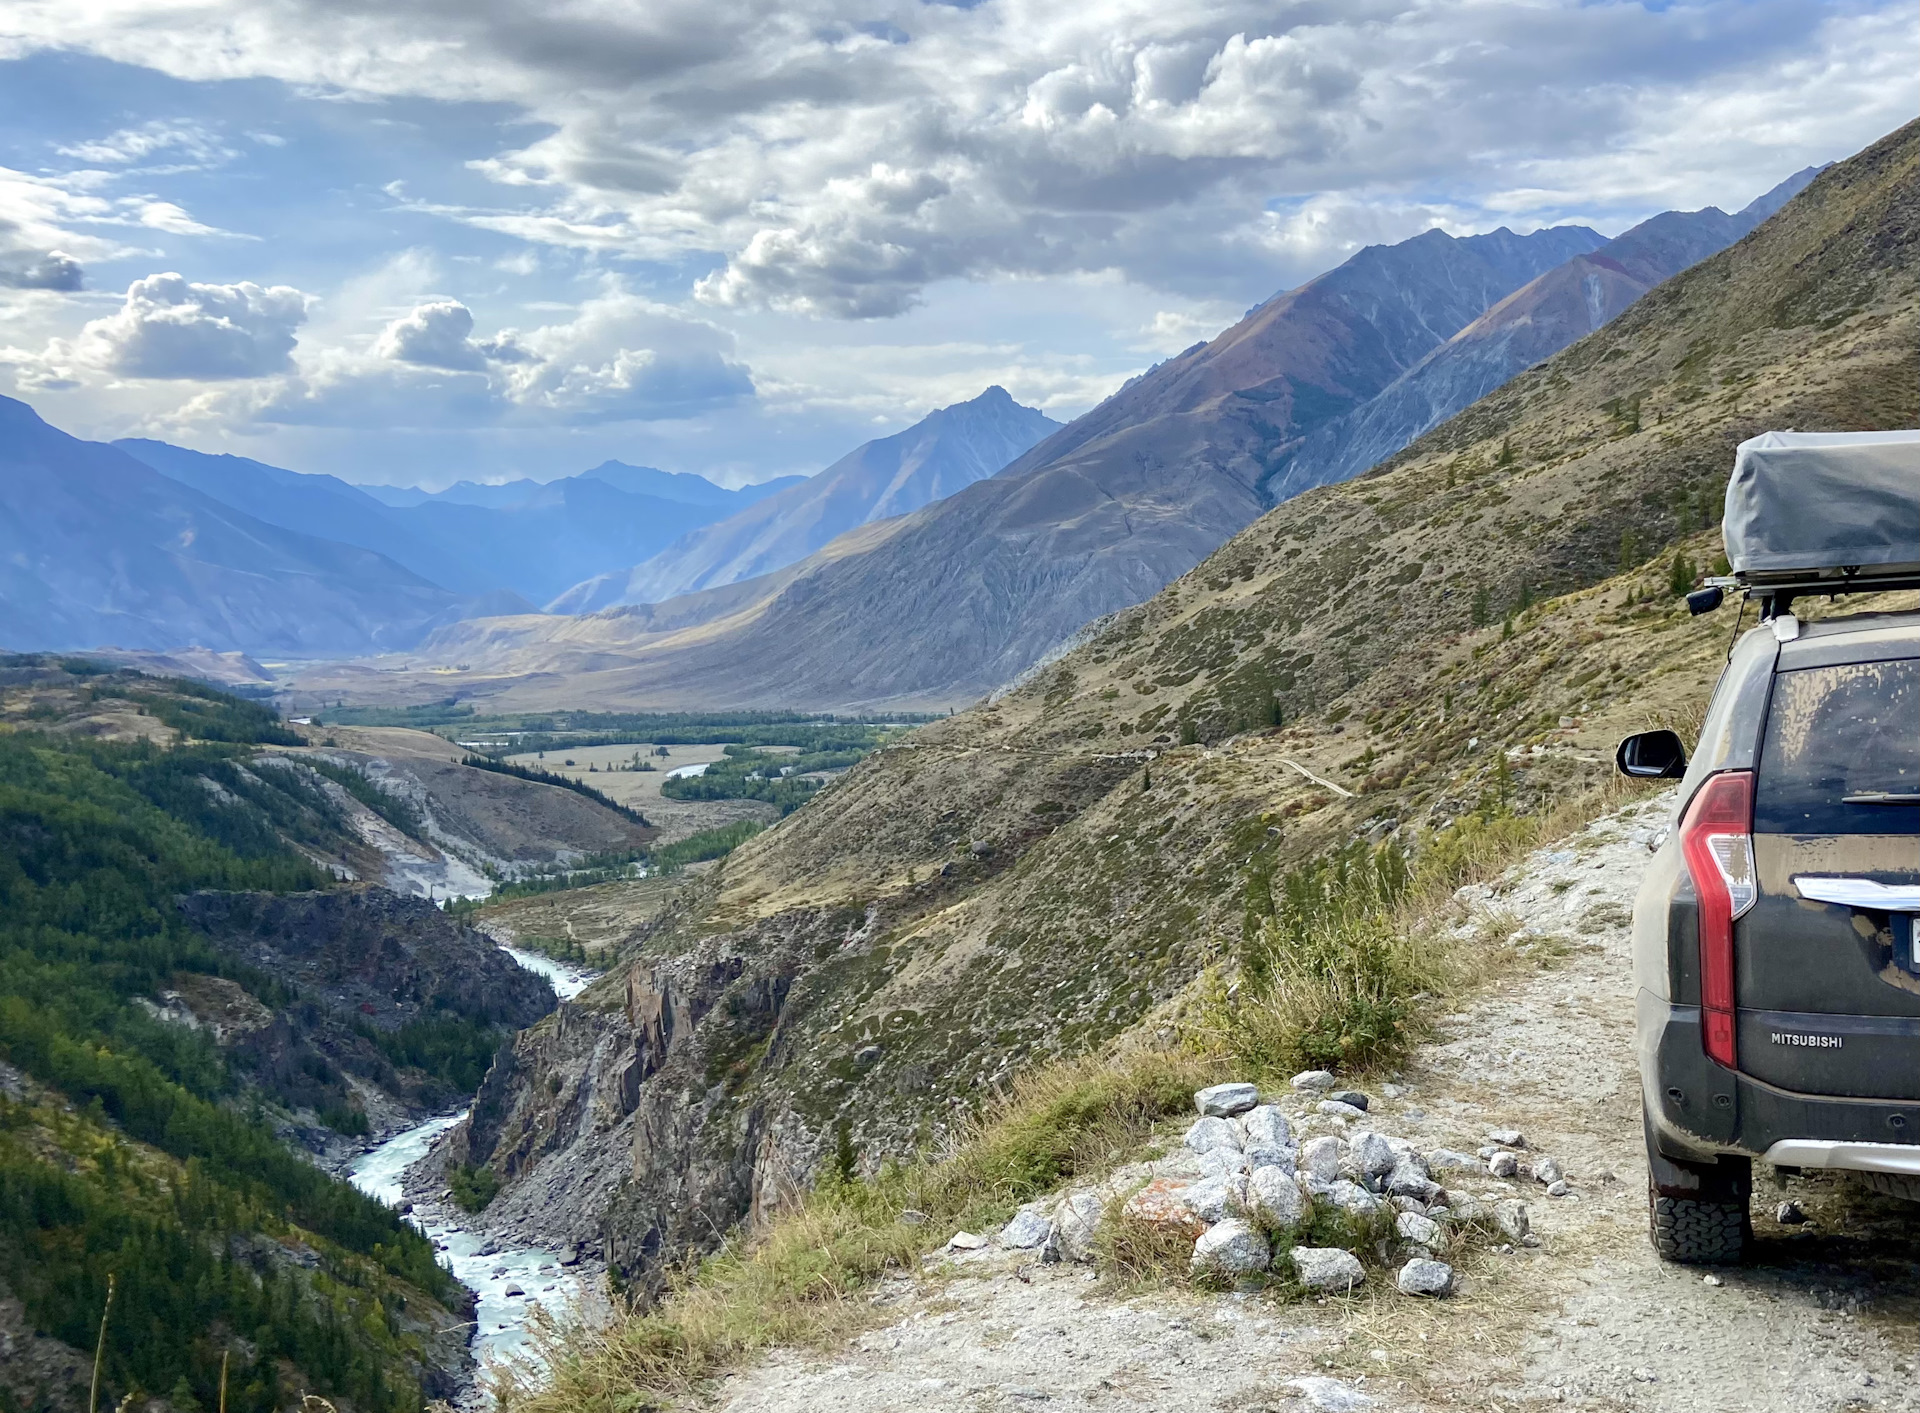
[1835, 732]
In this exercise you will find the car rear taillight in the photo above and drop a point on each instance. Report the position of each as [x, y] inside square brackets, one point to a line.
[1716, 839]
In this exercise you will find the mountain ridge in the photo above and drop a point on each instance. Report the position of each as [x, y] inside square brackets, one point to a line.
[98, 548]
[940, 454]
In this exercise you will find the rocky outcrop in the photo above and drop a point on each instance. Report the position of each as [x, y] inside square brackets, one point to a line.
[345, 971]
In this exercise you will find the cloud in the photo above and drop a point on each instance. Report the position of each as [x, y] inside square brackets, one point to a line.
[838, 161]
[440, 335]
[23, 265]
[189, 140]
[173, 328]
[621, 358]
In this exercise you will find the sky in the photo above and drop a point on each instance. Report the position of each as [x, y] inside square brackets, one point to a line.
[480, 239]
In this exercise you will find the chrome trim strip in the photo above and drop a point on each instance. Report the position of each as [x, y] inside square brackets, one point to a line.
[1859, 892]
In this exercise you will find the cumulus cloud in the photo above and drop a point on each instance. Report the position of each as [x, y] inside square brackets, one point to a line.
[170, 327]
[439, 334]
[23, 265]
[839, 161]
[620, 358]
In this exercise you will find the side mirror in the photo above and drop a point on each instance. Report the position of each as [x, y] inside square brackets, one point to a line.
[1652, 755]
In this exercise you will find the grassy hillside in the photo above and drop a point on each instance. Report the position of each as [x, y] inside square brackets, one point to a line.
[1454, 642]
[132, 1147]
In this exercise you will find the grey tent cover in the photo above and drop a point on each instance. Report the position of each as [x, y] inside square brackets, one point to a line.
[1812, 501]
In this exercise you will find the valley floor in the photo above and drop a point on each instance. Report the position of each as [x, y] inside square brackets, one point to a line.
[1823, 1318]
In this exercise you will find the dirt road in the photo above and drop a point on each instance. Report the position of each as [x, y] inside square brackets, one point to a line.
[1823, 1318]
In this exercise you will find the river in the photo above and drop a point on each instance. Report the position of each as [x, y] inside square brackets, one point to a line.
[508, 1282]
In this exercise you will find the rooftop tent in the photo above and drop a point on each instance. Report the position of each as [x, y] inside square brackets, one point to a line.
[1819, 505]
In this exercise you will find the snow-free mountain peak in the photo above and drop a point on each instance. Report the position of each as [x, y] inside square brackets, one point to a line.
[943, 452]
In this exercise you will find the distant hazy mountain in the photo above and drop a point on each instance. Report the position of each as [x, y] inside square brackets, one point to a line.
[1531, 324]
[941, 453]
[531, 538]
[98, 548]
[681, 486]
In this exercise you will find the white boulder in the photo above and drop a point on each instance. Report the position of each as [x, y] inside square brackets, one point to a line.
[1225, 1100]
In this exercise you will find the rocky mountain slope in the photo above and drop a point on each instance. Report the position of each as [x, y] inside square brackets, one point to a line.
[1469, 627]
[97, 548]
[940, 454]
[1535, 322]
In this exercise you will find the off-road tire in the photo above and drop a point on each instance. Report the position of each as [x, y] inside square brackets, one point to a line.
[1893, 1184]
[1690, 1232]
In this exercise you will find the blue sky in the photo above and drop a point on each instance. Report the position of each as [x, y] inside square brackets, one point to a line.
[475, 238]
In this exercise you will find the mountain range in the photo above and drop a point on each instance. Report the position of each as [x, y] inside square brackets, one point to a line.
[942, 453]
[1312, 387]
[525, 537]
[98, 548]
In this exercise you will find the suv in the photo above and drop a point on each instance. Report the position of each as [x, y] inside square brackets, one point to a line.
[1775, 954]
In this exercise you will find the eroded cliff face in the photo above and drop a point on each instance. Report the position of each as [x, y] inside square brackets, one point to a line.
[363, 994]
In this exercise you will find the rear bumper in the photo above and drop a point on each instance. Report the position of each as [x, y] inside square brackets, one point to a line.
[1856, 1157]
[1698, 1110]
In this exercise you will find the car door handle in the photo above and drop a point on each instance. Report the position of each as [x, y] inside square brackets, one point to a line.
[1859, 892]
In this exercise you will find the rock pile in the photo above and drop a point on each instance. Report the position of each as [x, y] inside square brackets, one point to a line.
[1263, 1195]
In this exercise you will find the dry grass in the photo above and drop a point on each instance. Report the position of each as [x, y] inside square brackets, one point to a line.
[804, 1280]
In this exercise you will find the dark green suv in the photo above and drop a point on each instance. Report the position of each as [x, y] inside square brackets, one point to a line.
[1775, 955]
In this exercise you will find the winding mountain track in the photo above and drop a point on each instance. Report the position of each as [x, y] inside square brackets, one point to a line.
[1822, 1319]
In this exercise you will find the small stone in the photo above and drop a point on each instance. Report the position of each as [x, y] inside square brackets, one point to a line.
[1320, 1157]
[1421, 1276]
[1214, 1199]
[1409, 1179]
[1275, 1197]
[967, 1241]
[1547, 1171]
[1333, 1109]
[1329, 1395]
[1225, 1100]
[1371, 1154]
[1077, 1223]
[1503, 1164]
[1162, 1203]
[1512, 1219]
[1351, 1096]
[1030, 1227]
[1312, 1082]
[1327, 1268]
[1713, 1281]
[1394, 1091]
[1506, 1137]
[913, 1217]
[1224, 1162]
[867, 1056]
[1789, 1214]
[979, 848]
[1287, 1158]
[1646, 1376]
[1560, 1187]
[513, 1292]
[1266, 1127]
[1210, 1133]
[1445, 1160]
[1231, 1248]
[1352, 1198]
[1421, 1231]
